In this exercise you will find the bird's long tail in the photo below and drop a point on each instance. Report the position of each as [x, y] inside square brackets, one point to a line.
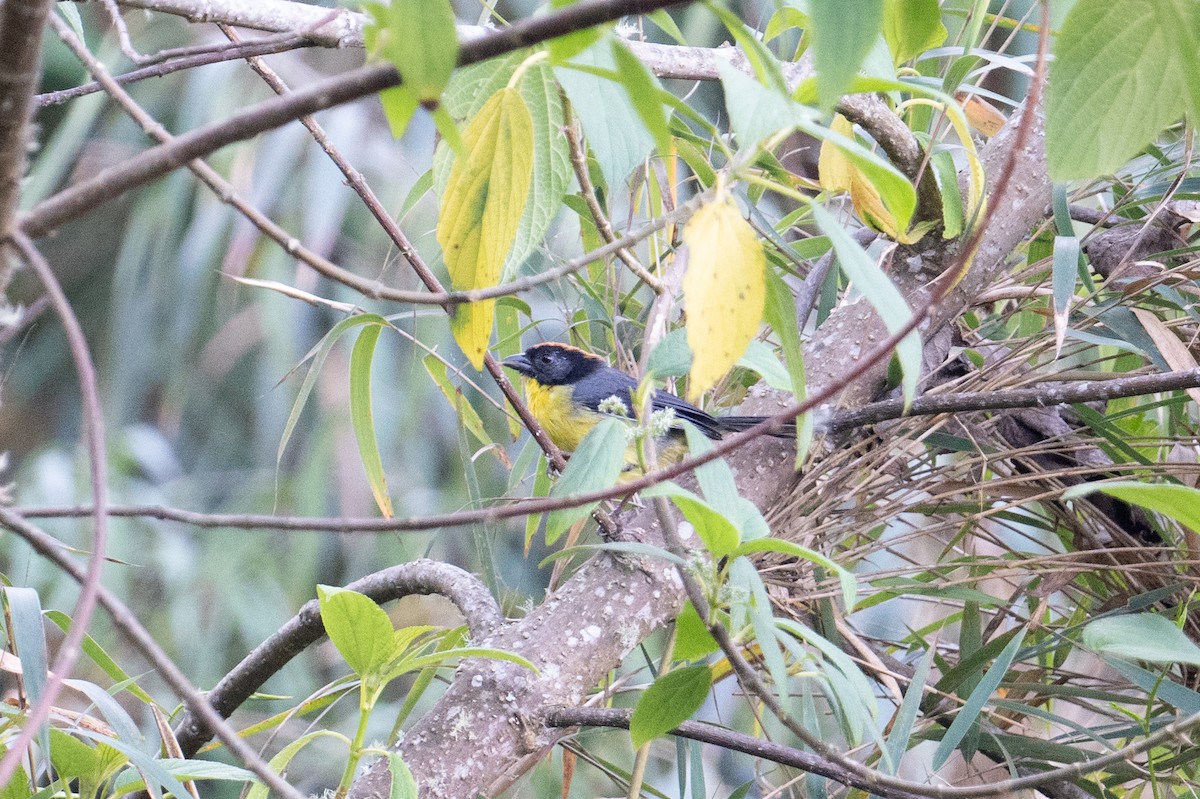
[735, 424]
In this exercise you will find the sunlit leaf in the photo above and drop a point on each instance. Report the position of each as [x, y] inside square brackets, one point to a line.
[724, 289]
[359, 628]
[481, 210]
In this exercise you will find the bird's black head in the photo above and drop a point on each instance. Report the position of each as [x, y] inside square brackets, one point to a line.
[554, 364]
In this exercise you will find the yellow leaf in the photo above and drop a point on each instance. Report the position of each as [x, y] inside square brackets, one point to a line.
[481, 208]
[724, 288]
[838, 174]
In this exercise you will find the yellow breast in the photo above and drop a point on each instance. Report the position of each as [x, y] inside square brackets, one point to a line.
[565, 424]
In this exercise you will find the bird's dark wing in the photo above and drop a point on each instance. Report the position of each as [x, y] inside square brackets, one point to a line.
[707, 424]
[602, 384]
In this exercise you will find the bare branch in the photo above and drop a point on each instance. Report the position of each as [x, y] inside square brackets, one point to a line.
[213, 54]
[726, 739]
[1104, 387]
[93, 427]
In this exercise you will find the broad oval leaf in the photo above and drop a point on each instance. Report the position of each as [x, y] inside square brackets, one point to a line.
[911, 27]
[1140, 636]
[359, 628]
[1121, 73]
[724, 289]
[425, 61]
[669, 702]
[842, 35]
[482, 208]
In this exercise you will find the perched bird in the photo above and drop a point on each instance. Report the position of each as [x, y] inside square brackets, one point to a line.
[565, 387]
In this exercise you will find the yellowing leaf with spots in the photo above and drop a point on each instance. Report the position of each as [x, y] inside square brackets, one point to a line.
[481, 208]
[839, 174]
[724, 288]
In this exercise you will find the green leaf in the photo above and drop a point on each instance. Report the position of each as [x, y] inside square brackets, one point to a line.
[1140, 636]
[761, 359]
[359, 628]
[1174, 501]
[720, 489]
[880, 292]
[425, 61]
[846, 579]
[668, 702]
[318, 354]
[911, 27]
[363, 420]
[780, 313]
[1065, 271]
[595, 464]
[671, 357]
[971, 709]
[952, 207]
[404, 786]
[692, 639]
[906, 715]
[280, 762]
[643, 90]
[1121, 73]
[482, 207]
[467, 415]
[718, 533]
[756, 111]
[842, 35]
[100, 657]
[610, 122]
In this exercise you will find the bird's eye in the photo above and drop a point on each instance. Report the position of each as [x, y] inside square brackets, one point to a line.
[547, 359]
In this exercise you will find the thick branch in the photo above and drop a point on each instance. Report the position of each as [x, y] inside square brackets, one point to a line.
[421, 577]
[21, 23]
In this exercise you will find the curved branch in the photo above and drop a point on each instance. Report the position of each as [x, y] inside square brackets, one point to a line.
[93, 427]
[421, 577]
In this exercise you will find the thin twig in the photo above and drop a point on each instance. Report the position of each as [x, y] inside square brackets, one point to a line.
[210, 54]
[93, 430]
[723, 737]
[1046, 395]
[603, 225]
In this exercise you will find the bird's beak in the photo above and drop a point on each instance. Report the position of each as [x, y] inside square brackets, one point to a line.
[519, 363]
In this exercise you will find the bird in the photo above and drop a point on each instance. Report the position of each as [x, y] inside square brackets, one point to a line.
[565, 388]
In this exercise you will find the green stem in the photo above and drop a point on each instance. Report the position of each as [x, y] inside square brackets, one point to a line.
[365, 704]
